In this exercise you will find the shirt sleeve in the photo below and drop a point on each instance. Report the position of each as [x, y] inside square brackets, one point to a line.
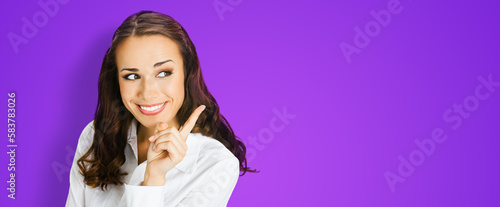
[216, 189]
[139, 195]
[76, 194]
[217, 186]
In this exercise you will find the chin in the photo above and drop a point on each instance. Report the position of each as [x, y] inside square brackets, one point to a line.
[149, 121]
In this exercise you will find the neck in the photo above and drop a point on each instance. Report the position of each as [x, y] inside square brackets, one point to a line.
[143, 132]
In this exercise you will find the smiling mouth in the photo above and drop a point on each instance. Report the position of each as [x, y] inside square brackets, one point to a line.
[151, 107]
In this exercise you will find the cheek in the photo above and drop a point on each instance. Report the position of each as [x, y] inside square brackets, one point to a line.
[126, 92]
[179, 88]
[175, 90]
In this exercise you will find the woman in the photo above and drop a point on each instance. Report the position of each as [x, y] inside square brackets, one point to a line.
[157, 138]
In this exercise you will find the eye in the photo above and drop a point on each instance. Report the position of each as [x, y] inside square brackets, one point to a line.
[164, 74]
[131, 76]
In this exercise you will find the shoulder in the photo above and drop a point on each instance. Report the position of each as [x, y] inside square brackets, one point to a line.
[86, 138]
[213, 154]
[89, 128]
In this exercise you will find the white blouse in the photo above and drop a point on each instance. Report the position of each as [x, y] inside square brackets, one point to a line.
[205, 177]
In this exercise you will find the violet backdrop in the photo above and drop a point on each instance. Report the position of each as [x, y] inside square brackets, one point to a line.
[353, 114]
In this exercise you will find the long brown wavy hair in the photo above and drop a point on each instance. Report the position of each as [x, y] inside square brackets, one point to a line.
[101, 163]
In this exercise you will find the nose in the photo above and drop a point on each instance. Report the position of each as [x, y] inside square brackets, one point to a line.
[149, 90]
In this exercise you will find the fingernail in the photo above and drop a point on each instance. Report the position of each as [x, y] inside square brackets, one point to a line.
[154, 148]
[204, 107]
[151, 138]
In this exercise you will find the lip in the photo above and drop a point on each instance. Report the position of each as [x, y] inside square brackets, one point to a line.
[152, 113]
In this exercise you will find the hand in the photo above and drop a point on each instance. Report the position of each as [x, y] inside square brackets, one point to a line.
[167, 148]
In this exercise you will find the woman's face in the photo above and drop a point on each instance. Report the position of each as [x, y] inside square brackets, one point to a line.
[151, 78]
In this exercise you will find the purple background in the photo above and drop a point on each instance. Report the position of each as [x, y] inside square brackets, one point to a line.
[352, 119]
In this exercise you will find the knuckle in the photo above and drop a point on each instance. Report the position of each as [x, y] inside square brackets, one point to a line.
[164, 144]
[164, 138]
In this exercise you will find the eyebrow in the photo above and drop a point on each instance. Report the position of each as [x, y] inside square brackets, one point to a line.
[158, 64]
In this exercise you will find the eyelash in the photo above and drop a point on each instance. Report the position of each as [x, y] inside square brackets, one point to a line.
[168, 73]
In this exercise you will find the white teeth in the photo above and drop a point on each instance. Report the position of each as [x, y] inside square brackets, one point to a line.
[152, 108]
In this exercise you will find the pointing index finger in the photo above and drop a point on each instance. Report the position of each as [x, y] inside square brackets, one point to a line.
[191, 122]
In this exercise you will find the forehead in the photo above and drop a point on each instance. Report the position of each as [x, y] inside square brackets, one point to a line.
[144, 51]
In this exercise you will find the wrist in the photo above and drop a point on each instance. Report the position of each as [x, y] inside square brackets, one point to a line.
[153, 180]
